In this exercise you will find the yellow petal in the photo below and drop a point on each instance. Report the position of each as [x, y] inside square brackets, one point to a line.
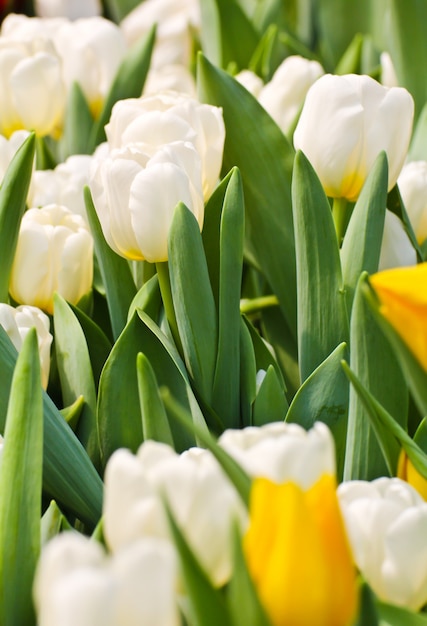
[403, 296]
[298, 554]
[406, 471]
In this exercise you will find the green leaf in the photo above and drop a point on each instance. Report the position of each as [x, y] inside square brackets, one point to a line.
[221, 20]
[147, 299]
[118, 9]
[78, 122]
[262, 61]
[349, 63]
[155, 423]
[418, 147]
[270, 403]
[13, 196]
[374, 363]
[68, 474]
[75, 374]
[396, 206]
[391, 615]
[116, 275]
[128, 83]
[226, 385]
[52, 523]
[71, 414]
[207, 604]
[21, 487]
[247, 374]
[367, 611]
[362, 241]
[255, 144]
[193, 300]
[323, 397]
[322, 312]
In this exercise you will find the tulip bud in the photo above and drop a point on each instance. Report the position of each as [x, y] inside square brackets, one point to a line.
[201, 499]
[396, 247]
[135, 196]
[386, 520]
[17, 322]
[298, 554]
[404, 305]
[170, 78]
[413, 188]
[54, 254]
[284, 95]
[345, 123]
[280, 451]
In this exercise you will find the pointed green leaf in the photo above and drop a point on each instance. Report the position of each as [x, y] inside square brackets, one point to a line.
[78, 122]
[71, 414]
[349, 63]
[118, 9]
[392, 615]
[21, 487]
[322, 313]
[52, 523]
[367, 608]
[270, 403]
[155, 423]
[418, 147]
[116, 275]
[13, 196]
[247, 375]
[147, 299]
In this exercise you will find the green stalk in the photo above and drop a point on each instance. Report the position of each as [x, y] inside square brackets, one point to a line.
[341, 215]
[165, 290]
[254, 305]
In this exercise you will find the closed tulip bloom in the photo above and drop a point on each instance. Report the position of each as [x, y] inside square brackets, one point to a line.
[281, 451]
[76, 583]
[396, 247]
[18, 321]
[135, 196]
[54, 254]
[298, 554]
[284, 95]
[154, 121]
[413, 189]
[386, 520]
[250, 81]
[72, 9]
[202, 501]
[345, 123]
[403, 302]
[170, 78]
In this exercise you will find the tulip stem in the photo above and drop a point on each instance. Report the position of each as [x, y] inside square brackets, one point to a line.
[253, 305]
[341, 215]
[165, 290]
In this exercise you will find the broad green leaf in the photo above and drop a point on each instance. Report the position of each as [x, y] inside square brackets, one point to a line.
[362, 241]
[52, 523]
[45, 154]
[155, 423]
[193, 300]
[247, 375]
[323, 397]
[75, 373]
[349, 63]
[78, 122]
[116, 275]
[263, 353]
[21, 487]
[128, 83]
[226, 385]
[221, 20]
[294, 17]
[262, 62]
[147, 299]
[118, 9]
[322, 312]
[71, 414]
[255, 144]
[373, 361]
[391, 615]
[384, 423]
[69, 477]
[13, 196]
[367, 608]
[418, 147]
[207, 604]
[270, 404]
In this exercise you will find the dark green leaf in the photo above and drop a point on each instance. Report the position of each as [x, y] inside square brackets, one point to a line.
[270, 403]
[78, 122]
[155, 423]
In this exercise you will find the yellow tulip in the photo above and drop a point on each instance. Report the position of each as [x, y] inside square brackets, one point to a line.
[403, 296]
[298, 554]
[407, 472]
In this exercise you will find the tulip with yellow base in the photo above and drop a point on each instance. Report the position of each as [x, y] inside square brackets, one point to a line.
[403, 302]
[298, 554]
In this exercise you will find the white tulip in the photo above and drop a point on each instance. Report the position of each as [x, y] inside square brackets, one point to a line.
[18, 321]
[76, 583]
[282, 452]
[284, 95]
[135, 196]
[73, 9]
[202, 501]
[345, 123]
[388, 73]
[153, 121]
[250, 81]
[386, 522]
[9, 147]
[413, 188]
[54, 254]
[175, 20]
[170, 78]
[396, 247]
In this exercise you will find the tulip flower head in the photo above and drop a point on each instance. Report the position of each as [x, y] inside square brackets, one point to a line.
[345, 123]
[54, 254]
[407, 472]
[413, 189]
[298, 554]
[403, 302]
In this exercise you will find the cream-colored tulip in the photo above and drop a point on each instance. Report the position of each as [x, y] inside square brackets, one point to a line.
[386, 521]
[250, 81]
[18, 321]
[135, 196]
[73, 9]
[413, 188]
[345, 123]
[396, 247]
[153, 121]
[201, 499]
[170, 78]
[54, 254]
[76, 583]
[284, 95]
[282, 452]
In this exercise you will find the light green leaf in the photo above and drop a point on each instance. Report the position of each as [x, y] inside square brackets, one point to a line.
[155, 423]
[391, 615]
[418, 148]
[118, 9]
[247, 374]
[270, 404]
[147, 299]
[78, 122]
